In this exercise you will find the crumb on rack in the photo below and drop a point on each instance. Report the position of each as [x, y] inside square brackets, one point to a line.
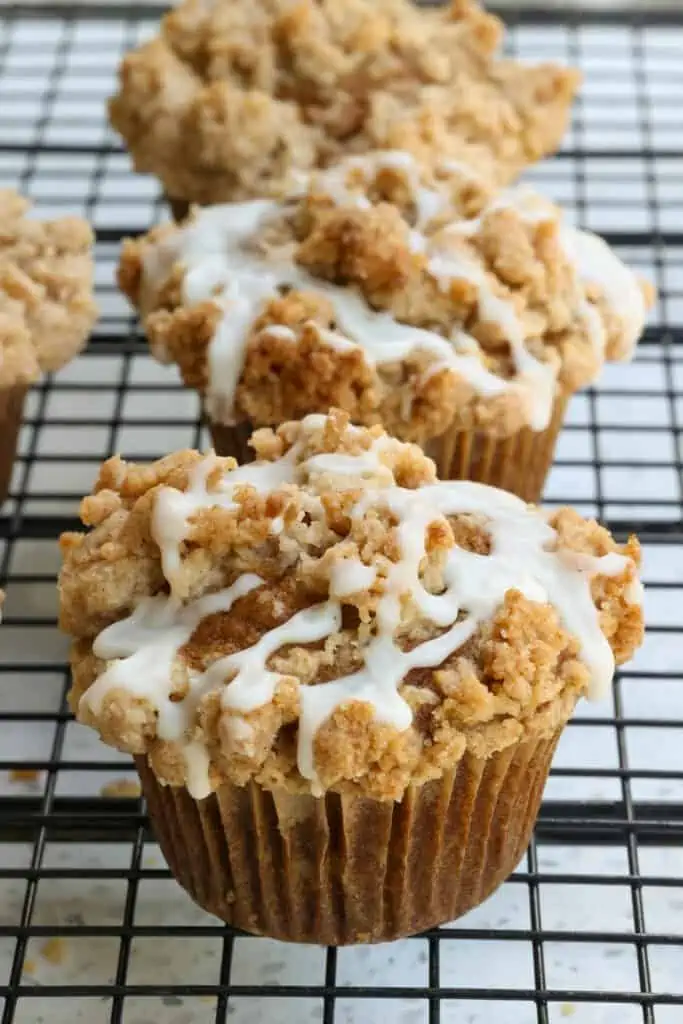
[24, 775]
[54, 951]
[118, 788]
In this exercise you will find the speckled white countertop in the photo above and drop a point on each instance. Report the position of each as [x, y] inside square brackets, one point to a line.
[583, 889]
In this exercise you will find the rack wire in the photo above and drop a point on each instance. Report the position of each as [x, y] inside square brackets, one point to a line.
[588, 929]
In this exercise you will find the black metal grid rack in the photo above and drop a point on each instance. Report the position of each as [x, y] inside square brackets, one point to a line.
[588, 930]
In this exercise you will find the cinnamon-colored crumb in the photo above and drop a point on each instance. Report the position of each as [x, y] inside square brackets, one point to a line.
[121, 788]
[46, 291]
[54, 951]
[24, 775]
[520, 673]
[231, 100]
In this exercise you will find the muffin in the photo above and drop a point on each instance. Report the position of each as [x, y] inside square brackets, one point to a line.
[406, 293]
[46, 307]
[232, 99]
[342, 680]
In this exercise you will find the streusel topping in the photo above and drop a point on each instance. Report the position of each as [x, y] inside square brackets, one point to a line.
[231, 98]
[46, 291]
[407, 294]
[332, 615]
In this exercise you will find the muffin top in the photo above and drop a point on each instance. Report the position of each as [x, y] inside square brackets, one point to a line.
[46, 291]
[332, 616]
[406, 293]
[230, 98]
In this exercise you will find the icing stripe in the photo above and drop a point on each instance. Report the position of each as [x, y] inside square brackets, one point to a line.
[219, 265]
[141, 650]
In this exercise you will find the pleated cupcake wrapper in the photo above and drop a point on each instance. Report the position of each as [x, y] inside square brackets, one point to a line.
[345, 869]
[519, 464]
[11, 414]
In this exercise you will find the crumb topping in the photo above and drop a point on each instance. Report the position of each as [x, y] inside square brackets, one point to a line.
[232, 99]
[332, 615]
[373, 289]
[46, 284]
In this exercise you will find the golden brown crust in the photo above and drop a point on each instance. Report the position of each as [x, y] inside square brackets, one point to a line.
[519, 674]
[230, 99]
[46, 283]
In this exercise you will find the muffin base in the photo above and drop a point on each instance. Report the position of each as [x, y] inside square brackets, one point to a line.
[343, 869]
[519, 464]
[11, 415]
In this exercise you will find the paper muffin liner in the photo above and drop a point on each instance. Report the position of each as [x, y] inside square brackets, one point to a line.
[179, 208]
[342, 869]
[519, 464]
[233, 440]
[11, 415]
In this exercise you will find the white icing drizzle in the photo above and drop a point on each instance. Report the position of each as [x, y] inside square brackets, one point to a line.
[140, 651]
[351, 576]
[598, 265]
[429, 202]
[282, 333]
[595, 263]
[220, 265]
[173, 508]
[536, 380]
[252, 279]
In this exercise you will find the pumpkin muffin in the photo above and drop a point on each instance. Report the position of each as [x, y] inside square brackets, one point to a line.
[46, 307]
[231, 100]
[342, 679]
[408, 294]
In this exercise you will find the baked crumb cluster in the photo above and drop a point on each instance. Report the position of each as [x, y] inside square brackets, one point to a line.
[46, 291]
[407, 293]
[332, 616]
[232, 98]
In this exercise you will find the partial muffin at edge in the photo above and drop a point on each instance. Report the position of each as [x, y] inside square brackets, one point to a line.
[47, 307]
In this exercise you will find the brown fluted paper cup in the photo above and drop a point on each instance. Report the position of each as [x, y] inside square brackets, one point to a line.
[519, 464]
[11, 415]
[345, 868]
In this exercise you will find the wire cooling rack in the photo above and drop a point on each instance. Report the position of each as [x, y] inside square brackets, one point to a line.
[589, 930]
